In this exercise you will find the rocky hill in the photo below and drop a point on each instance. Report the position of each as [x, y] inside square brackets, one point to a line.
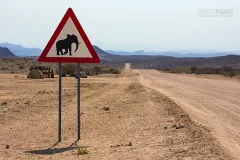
[21, 51]
[6, 53]
[106, 56]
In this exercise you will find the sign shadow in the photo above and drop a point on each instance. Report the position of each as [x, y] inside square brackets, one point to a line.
[51, 150]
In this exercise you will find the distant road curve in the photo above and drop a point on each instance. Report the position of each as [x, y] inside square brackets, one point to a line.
[127, 66]
[211, 102]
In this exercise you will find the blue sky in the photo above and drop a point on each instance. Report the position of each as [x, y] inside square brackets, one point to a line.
[151, 25]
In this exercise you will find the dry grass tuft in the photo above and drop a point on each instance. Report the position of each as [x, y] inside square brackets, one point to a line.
[4, 103]
[81, 151]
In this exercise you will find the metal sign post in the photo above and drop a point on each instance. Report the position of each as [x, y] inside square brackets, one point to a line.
[60, 103]
[78, 101]
[58, 50]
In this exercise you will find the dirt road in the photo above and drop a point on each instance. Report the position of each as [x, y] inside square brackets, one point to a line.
[141, 123]
[215, 103]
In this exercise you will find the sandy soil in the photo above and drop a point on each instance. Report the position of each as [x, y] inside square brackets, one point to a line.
[212, 102]
[156, 127]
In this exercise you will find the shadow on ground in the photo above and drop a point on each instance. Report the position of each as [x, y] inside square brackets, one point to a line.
[51, 150]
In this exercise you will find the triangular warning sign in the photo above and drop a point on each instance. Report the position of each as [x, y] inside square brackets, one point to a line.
[69, 43]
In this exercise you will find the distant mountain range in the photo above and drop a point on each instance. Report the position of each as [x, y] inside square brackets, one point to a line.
[104, 55]
[21, 51]
[186, 53]
[138, 59]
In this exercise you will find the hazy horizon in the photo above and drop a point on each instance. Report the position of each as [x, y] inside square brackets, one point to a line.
[153, 25]
[135, 52]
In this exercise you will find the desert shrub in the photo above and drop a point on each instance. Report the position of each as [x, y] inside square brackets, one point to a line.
[81, 68]
[197, 71]
[96, 70]
[21, 67]
[83, 75]
[73, 75]
[4, 68]
[87, 71]
[81, 151]
[69, 68]
[57, 71]
[193, 69]
[43, 91]
[3, 103]
[231, 74]
[33, 64]
[114, 71]
[178, 70]
[226, 70]
[27, 102]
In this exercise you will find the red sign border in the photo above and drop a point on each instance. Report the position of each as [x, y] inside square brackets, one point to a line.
[69, 14]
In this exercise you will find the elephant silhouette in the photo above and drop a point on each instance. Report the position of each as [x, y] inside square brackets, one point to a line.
[66, 44]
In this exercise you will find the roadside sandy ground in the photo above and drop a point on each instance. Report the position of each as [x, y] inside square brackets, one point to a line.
[142, 116]
[212, 102]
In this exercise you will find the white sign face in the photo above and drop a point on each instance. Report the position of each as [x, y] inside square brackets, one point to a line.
[67, 42]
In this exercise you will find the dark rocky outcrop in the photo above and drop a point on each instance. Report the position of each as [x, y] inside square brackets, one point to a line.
[6, 53]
